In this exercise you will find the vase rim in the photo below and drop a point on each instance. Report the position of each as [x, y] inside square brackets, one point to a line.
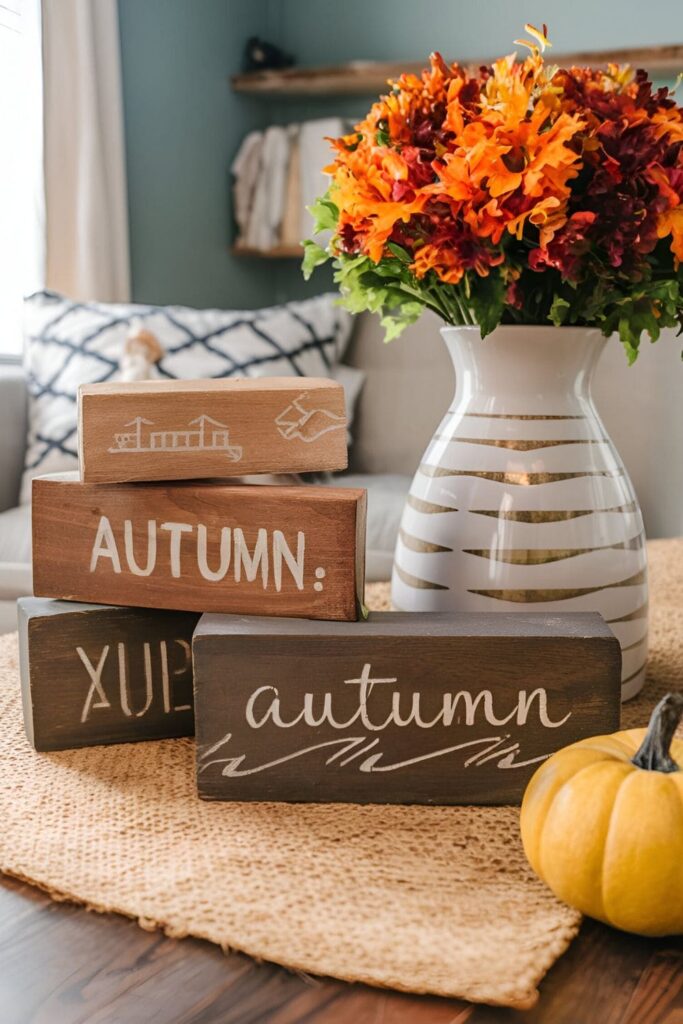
[518, 328]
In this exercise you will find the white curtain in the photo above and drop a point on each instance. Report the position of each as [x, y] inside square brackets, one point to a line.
[85, 181]
[22, 214]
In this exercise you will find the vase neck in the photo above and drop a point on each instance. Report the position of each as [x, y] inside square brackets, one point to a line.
[534, 368]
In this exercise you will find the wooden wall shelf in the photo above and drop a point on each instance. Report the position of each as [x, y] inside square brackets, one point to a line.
[280, 252]
[366, 77]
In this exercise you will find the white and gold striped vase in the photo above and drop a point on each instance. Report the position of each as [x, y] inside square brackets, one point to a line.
[521, 501]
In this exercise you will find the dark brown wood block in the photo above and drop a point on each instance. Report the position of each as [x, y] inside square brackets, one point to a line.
[201, 547]
[180, 430]
[92, 674]
[403, 708]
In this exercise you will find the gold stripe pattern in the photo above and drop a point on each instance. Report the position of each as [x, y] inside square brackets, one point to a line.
[416, 544]
[521, 479]
[536, 596]
[639, 613]
[543, 556]
[515, 446]
[634, 674]
[415, 581]
[510, 416]
[548, 515]
[428, 507]
[632, 647]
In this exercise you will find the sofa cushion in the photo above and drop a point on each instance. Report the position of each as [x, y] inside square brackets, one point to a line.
[15, 538]
[15, 563]
[387, 493]
[71, 343]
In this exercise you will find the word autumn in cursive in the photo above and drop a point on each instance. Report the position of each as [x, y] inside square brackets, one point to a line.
[389, 708]
[185, 547]
[97, 697]
[350, 748]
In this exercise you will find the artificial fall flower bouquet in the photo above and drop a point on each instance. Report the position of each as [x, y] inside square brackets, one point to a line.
[525, 193]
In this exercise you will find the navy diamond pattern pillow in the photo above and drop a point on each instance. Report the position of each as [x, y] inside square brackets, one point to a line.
[70, 343]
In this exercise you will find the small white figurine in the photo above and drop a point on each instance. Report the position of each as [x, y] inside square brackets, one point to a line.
[141, 350]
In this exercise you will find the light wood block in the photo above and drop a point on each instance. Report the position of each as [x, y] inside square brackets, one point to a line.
[92, 674]
[201, 547]
[202, 429]
[403, 708]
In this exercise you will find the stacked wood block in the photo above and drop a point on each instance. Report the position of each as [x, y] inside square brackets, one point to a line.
[403, 708]
[94, 674]
[294, 695]
[156, 520]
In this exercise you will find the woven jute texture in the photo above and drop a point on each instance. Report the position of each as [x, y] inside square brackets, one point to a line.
[423, 899]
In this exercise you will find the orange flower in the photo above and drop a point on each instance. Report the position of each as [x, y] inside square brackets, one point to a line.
[447, 160]
[671, 223]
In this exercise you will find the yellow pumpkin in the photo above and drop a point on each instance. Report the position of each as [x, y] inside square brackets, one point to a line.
[602, 825]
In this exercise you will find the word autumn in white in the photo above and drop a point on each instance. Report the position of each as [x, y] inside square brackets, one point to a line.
[97, 697]
[388, 708]
[392, 708]
[186, 547]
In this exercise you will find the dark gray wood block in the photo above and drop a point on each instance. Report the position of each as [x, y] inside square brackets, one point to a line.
[402, 708]
[93, 674]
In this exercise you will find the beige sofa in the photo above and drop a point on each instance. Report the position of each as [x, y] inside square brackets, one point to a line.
[408, 386]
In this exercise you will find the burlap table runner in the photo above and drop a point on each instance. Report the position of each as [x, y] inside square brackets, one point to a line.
[423, 899]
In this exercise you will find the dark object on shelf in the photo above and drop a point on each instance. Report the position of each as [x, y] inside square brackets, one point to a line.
[261, 56]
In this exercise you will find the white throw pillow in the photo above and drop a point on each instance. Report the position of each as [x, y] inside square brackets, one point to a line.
[69, 343]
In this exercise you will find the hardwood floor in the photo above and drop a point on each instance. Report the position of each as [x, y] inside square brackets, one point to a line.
[62, 965]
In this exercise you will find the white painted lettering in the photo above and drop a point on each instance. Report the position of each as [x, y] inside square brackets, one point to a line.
[95, 683]
[105, 546]
[181, 670]
[176, 530]
[525, 706]
[151, 548]
[123, 681]
[215, 576]
[282, 552]
[404, 709]
[251, 563]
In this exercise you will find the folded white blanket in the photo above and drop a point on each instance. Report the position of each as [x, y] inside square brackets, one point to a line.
[245, 169]
[268, 205]
[314, 154]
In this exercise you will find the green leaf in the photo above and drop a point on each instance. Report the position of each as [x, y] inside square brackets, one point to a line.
[382, 137]
[314, 256]
[325, 214]
[629, 339]
[488, 301]
[559, 311]
[399, 252]
[395, 323]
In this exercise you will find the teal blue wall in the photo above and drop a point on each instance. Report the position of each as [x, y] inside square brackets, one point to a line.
[326, 31]
[184, 125]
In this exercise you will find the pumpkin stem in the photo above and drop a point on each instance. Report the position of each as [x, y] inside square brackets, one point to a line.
[654, 752]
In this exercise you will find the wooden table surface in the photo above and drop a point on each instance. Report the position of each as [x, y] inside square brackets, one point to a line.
[60, 964]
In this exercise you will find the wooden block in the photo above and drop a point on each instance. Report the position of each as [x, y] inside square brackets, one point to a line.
[403, 708]
[92, 674]
[179, 430]
[201, 547]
